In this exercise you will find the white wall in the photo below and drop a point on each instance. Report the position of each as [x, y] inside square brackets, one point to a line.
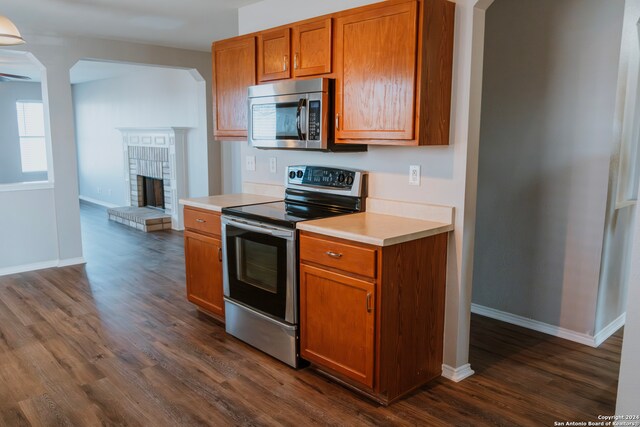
[550, 80]
[155, 97]
[10, 164]
[58, 55]
[629, 380]
[448, 176]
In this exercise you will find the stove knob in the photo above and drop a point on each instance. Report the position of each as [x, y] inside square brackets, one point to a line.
[292, 174]
[349, 180]
[341, 178]
[299, 174]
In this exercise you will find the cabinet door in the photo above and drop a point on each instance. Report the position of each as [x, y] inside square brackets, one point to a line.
[274, 48]
[312, 48]
[203, 257]
[234, 70]
[376, 59]
[337, 323]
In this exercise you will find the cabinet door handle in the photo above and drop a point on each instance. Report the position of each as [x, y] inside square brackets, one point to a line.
[337, 121]
[334, 254]
[295, 61]
[220, 254]
[369, 308]
[201, 221]
[284, 62]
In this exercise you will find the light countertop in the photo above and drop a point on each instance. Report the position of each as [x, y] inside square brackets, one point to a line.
[216, 203]
[375, 229]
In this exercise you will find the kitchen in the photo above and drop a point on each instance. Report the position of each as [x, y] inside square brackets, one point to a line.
[439, 163]
[271, 300]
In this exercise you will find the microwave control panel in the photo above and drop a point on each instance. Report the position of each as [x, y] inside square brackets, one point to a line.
[315, 120]
[318, 176]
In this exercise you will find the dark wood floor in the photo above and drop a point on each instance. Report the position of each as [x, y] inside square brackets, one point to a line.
[116, 343]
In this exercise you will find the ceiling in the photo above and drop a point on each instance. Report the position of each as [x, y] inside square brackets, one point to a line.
[188, 24]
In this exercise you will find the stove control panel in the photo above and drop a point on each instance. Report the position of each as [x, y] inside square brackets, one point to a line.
[324, 177]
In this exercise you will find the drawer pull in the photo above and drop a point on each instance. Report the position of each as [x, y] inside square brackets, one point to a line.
[201, 221]
[220, 254]
[369, 302]
[334, 255]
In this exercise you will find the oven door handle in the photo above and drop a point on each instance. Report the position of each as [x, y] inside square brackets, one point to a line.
[285, 234]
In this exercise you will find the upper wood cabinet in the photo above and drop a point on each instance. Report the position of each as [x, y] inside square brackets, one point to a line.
[234, 70]
[312, 48]
[391, 61]
[274, 55]
[376, 59]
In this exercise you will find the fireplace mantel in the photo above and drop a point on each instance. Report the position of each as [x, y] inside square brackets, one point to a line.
[157, 153]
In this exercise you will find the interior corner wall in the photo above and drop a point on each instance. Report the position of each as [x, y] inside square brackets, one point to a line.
[155, 97]
[550, 75]
[10, 163]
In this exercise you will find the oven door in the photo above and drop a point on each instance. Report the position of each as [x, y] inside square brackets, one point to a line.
[259, 267]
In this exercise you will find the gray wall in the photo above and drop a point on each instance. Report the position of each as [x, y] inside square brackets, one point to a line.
[550, 75]
[10, 166]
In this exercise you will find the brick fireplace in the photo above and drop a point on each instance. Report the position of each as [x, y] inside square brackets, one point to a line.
[154, 177]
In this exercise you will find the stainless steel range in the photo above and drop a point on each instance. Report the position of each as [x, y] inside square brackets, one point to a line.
[260, 250]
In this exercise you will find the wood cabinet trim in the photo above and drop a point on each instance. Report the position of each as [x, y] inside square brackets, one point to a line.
[364, 377]
[211, 226]
[325, 48]
[406, 108]
[238, 131]
[352, 259]
[280, 57]
[212, 300]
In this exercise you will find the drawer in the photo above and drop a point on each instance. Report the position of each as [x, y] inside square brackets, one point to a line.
[345, 257]
[202, 221]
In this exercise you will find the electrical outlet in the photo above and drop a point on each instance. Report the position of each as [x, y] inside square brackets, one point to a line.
[273, 165]
[414, 175]
[250, 164]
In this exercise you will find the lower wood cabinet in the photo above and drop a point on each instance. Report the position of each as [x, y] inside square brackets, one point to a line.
[381, 334]
[203, 261]
[338, 317]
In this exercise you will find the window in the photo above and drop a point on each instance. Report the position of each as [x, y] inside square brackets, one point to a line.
[33, 151]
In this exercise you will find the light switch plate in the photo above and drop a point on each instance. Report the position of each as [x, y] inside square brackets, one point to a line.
[414, 175]
[273, 165]
[250, 163]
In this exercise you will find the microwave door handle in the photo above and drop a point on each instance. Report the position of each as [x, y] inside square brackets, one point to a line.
[301, 104]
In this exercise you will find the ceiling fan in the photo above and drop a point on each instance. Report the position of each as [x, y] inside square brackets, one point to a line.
[4, 77]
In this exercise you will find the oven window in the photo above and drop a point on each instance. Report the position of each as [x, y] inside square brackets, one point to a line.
[257, 264]
[275, 121]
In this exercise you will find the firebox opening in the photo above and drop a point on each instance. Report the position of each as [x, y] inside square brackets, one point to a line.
[152, 192]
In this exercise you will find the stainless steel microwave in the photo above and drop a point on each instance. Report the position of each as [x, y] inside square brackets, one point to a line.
[294, 114]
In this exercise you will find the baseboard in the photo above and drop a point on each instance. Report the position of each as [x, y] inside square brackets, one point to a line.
[28, 267]
[610, 329]
[97, 202]
[71, 261]
[546, 328]
[457, 374]
[41, 266]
